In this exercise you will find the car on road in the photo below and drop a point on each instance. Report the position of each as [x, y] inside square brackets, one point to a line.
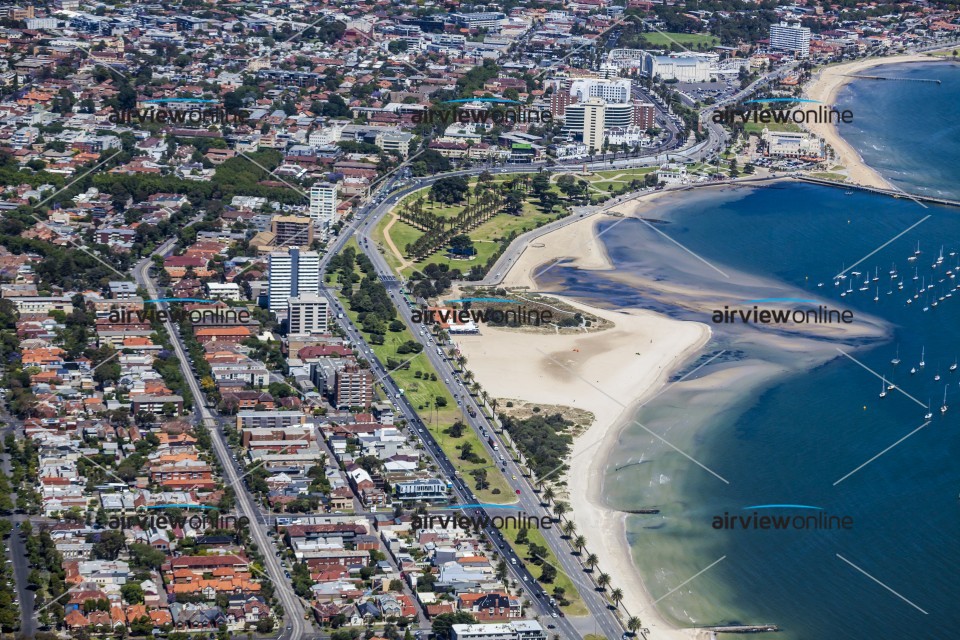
[554, 614]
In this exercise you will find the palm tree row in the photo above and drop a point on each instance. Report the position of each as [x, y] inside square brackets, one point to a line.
[579, 542]
[568, 527]
[439, 230]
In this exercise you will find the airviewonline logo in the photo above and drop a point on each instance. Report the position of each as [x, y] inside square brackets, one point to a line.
[209, 316]
[496, 110]
[521, 315]
[197, 521]
[178, 111]
[806, 312]
[818, 521]
[481, 521]
[766, 115]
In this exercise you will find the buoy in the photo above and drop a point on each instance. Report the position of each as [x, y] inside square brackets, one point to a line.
[864, 407]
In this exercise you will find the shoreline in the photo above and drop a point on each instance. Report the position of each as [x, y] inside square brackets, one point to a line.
[825, 87]
[524, 366]
[609, 361]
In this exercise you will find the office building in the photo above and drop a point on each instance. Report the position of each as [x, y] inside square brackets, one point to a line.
[480, 20]
[293, 273]
[323, 206]
[395, 141]
[292, 231]
[354, 387]
[685, 67]
[610, 90]
[593, 123]
[307, 313]
[617, 114]
[790, 37]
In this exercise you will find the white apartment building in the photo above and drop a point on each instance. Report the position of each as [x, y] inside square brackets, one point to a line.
[323, 206]
[617, 114]
[308, 313]
[293, 273]
[790, 37]
[610, 90]
[223, 290]
[593, 123]
[326, 136]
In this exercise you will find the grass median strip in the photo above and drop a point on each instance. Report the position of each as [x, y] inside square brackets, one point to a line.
[575, 605]
[426, 391]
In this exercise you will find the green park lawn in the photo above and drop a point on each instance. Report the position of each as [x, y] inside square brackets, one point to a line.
[486, 237]
[571, 592]
[423, 393]
[692, 40]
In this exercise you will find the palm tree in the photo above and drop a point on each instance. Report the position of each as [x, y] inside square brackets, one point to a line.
[559, 509]
[548, 495]
[633, 623]
[616, 595]
[579, 543]
[569, 528]
[603, 581]
[591, 561]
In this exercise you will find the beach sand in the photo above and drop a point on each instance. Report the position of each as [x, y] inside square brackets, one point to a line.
[611, 373]
[825, 88]
[605, 373]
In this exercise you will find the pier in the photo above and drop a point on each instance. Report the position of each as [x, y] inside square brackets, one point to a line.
[744, 628]
[886, 192]
[851, 75]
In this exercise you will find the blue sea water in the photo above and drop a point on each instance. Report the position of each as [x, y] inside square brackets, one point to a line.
[908, 131]
[796, 439]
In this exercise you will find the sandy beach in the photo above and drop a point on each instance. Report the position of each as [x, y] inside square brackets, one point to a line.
[825, 88]
[611, 373]
[606, 373]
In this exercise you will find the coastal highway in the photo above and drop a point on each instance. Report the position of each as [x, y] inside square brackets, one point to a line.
[292, 606]
[521, 574]
[460, 490]
[527, 499]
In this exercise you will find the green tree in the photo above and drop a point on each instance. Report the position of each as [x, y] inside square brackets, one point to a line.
[443, 623]
[132, 593]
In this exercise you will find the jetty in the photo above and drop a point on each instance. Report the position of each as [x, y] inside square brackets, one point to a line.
[852, 75]
[744, 628]
[893, 193]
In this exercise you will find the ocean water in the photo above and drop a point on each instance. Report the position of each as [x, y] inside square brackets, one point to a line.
[807, 427]
[908, 130]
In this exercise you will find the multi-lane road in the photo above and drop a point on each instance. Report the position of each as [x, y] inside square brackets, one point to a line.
[16, 547]
[527, 499]
[296, 627]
